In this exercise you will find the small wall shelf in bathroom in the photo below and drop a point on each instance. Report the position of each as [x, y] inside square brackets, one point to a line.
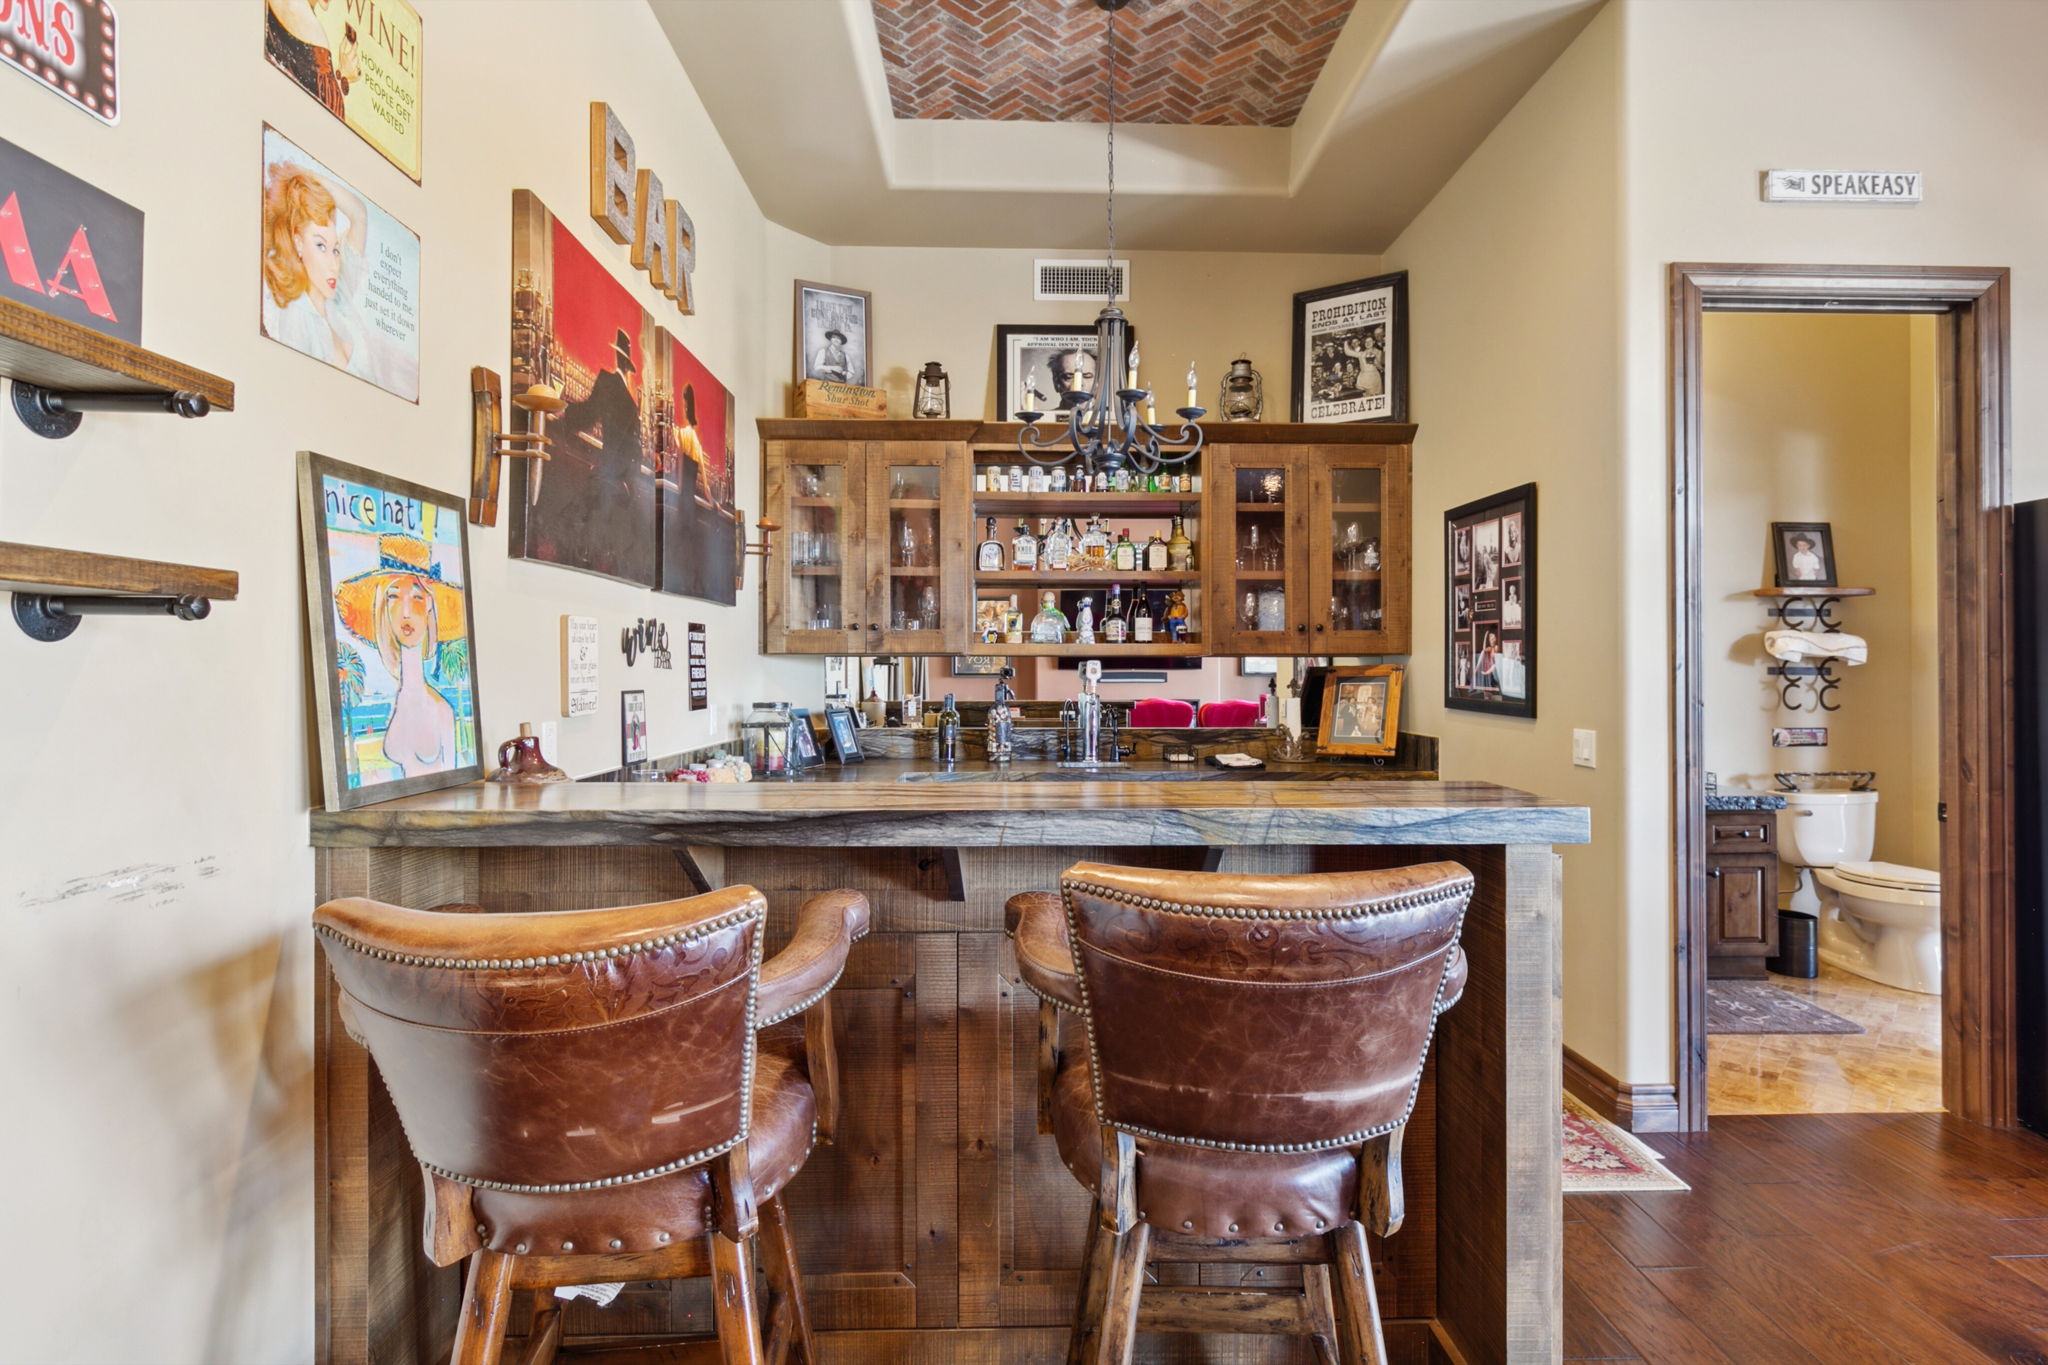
[1808, 591]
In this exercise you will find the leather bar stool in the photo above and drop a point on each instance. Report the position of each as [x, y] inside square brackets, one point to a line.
[604, 1095]
[1253, 1050]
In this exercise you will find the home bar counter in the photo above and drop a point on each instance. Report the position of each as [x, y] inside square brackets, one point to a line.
[941, 1226]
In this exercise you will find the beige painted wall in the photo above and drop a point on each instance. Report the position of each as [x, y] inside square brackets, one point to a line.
[1515, 332]
[158, 873]
[1807, 418]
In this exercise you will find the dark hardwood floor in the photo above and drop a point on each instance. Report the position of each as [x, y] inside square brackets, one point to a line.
[1907, 1238]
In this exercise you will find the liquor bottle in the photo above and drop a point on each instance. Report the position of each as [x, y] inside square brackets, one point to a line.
[1125, 556]
[949, 732]
[1141, 624]
[1180, 551]
[1059, 478]
[1095, 547]
[1058, 550]
[1114, 626]
[1013, 623]
[1084, 622]
[989, 558]
[1155, 553]
[1049, 627]
[1023, 547]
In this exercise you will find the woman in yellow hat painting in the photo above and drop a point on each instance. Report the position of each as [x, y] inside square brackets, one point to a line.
[404, 611]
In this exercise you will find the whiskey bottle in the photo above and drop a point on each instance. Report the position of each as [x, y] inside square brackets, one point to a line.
[1155, 553]
[1023, 547]
[1125, 557]
[989, 557]
[1095, 547]
[1180, 551]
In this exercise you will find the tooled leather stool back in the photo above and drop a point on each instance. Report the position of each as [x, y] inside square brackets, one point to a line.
[502, 1038]
[1254, 1045]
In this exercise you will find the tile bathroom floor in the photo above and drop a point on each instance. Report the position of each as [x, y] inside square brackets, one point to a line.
[1893, 1067]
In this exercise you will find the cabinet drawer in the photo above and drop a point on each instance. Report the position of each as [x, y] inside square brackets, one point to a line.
[1740, 831]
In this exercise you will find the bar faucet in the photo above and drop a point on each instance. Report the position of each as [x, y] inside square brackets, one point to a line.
[1002, 721]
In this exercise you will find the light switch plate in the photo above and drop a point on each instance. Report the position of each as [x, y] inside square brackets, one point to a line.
[548, 731]
[1585, 749]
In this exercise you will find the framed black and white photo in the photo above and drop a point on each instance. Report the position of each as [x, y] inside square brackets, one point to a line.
[1044, 368]
[633, 726]
[1490, 604]
[1805, 553]
[1351, 352]
[842, 724]
[835, 331]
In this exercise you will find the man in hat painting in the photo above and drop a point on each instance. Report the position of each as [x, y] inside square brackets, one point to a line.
[404, 611]
[590, 509]
[832, 362]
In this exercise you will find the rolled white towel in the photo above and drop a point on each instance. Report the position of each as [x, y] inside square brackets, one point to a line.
[1797, 646]
[599, 1294]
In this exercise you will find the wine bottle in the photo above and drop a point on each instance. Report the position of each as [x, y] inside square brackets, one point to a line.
[949, 732]
[1141, 624]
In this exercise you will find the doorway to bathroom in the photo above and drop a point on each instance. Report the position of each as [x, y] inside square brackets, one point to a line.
[1840, 534]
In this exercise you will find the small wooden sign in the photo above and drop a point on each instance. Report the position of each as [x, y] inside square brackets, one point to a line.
[1842, 187]
[824, 398]
[579, 665]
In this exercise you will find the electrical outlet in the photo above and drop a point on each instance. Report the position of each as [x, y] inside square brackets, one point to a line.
[1585, 749]
[548, 731]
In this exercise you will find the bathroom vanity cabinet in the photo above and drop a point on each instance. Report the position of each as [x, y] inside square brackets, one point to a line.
[1742, 891]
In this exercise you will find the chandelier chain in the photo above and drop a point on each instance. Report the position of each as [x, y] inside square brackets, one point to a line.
[1109, 273]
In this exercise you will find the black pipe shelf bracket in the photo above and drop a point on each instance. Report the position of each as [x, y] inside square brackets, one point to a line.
[51, 617]
[57, 413]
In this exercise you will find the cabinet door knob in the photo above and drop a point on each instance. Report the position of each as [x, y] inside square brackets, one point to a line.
[1301, 630]
[1319, 627]
[1714, 872]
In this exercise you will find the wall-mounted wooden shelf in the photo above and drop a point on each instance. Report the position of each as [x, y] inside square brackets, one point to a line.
[55, 589]
[1157, 649]
[50, 359]
[1085, 504]
[1062, 578]
[1808, 591]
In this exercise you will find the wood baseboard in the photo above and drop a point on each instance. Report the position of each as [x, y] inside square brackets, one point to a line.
[1632, 1108]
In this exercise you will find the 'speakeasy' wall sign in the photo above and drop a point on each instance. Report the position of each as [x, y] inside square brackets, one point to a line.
[1842, 187]
[627, 202]
[71, 47]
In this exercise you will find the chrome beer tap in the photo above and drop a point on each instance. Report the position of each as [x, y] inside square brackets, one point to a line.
[1002, 721]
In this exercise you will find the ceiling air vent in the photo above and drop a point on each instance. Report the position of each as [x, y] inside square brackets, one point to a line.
[1088, 281]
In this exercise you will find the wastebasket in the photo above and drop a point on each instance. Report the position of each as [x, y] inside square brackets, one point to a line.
[1798, 946]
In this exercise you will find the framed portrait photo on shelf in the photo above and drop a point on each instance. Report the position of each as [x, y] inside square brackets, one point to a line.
[1351, 352]
[1805, 553]
[1361, 711]
[1490, 604]
[843, 725]
[1042, 367]
[834, 334]
[394, 668]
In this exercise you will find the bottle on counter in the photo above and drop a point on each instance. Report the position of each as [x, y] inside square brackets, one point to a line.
[949, 732]
[1141, 622]
[1049, 627]
[989, 558]
[1115, 625]
[1180, 551]
[1023, 547]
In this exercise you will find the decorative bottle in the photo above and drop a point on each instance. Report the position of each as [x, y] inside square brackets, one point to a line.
[1084, 623]
[1023, 547]
[989, 558]
[1180, 551]
[1049, 627]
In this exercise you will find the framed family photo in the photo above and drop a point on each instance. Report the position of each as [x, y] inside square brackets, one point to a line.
[1361, 711]
[843, 725]
[1805, 553]
[1490, 604]
[1351, 352]
[1043, 368]
[834, 334]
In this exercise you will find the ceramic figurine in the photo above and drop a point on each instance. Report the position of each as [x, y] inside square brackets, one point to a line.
[1177, 615]
[520, 760]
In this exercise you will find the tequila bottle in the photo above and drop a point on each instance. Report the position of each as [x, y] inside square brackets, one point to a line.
[1059, 546]
[1084, 623]
[1049, 627]
[989, 558]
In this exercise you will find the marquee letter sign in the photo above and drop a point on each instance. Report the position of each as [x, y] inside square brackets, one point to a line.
[68, 46]
[68, 248]
[628, 204]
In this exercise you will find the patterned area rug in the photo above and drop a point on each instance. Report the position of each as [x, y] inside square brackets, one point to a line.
[1760, 1007]
[1601, 1159]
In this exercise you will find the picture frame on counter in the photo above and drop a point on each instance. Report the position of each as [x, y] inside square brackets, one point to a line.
[1490, 604]
[1361, 713]
[1039, 366]
[834, 334]
[1351, 352]
[1804, 552]
[803, 740]
[633, 726]
[387, 576]
[842, 724]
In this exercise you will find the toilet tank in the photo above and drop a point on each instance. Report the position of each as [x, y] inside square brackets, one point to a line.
[1821, 829]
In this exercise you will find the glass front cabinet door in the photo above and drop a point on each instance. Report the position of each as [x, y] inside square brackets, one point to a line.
[1258, 530]
[816, 575]
[920, 576]
[1358, 549]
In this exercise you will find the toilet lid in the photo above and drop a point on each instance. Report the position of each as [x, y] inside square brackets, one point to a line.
[1890, 875]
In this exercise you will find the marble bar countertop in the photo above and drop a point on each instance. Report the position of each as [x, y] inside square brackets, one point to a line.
[911, 804]
[1719, 801]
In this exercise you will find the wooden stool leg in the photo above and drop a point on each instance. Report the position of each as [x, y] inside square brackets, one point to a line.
[791, 1334]
[1359, 1337]
[486, 1304]
[1048, 1060]
[733, 1309]
[1322, 1312]
[1126, 1273]
[544, 1333]
[1094, 1293]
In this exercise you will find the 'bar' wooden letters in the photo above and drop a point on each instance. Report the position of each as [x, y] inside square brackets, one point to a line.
[628, 204]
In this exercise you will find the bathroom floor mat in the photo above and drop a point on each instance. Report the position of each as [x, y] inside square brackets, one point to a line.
[1760, 1007]
[1600, 1158]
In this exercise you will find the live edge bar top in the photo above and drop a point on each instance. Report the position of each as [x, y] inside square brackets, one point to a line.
[891, 806]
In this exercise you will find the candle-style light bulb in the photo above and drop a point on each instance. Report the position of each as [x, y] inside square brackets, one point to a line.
[1191, 383]
[1133, 369]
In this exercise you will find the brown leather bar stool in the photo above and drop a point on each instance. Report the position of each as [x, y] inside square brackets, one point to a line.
[1254, 1046]
[601, 1095]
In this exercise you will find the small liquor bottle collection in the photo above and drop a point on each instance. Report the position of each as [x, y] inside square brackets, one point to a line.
[1124, 619]
[1062, 546]
[1038, 479]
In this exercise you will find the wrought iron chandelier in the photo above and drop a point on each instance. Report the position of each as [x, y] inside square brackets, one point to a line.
[1105, 430]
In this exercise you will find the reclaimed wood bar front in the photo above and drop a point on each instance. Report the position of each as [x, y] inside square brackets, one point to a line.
[941, 1227]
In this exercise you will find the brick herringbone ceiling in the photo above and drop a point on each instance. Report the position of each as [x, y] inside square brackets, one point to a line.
[1248, 63]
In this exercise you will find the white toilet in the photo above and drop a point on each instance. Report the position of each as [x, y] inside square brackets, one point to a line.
[1878, 920]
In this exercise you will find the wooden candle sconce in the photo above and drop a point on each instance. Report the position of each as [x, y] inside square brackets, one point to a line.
[487, 444]
[759, 547]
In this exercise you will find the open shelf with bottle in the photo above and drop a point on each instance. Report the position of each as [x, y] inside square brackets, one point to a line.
[1054, 578]
[1072, 504]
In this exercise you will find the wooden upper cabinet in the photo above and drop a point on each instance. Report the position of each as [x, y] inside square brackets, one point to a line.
[1255, 550]
[1360, 544]
[872, 552]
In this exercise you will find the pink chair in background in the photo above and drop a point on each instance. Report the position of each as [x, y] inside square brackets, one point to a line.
[1228, 713]
[1162, 712]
